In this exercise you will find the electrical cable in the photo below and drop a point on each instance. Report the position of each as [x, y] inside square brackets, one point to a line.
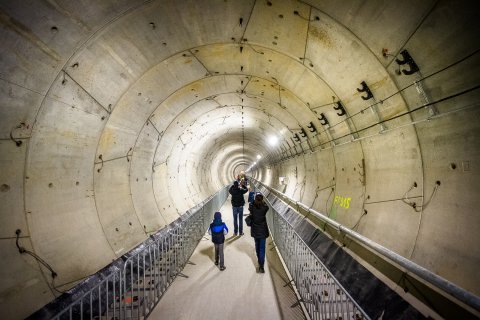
[302, 188]
[23, 250]
[324, 105]
[403, 89]
[314, 199]
[76, 280]
[405, 196]
[251, 47]
[410, 85]
[279, 96]
[326, 204]
[344, 242]
[316, 18]
[425, 298]
[17, 141]
[423, 206]
[358, 222]
[406, 113]
[302, 191]
[55, 287]
[400, 115]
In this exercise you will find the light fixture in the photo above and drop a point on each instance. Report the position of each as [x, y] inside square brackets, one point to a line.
[259, 156]
[272, 140]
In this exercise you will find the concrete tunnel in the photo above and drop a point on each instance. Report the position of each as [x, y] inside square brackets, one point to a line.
[118, 116]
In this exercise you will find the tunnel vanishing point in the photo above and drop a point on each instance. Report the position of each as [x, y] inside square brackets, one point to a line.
[118, 116]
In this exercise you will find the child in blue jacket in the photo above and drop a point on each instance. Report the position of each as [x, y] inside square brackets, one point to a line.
[218, 229]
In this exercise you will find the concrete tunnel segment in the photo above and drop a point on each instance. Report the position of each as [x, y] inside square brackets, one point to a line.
[131, 112]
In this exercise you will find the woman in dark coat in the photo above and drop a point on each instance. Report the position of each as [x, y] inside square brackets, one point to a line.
[259, 228]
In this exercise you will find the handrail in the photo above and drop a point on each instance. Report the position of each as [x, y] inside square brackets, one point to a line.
[443, 284]
[310, 275]
[134, 288]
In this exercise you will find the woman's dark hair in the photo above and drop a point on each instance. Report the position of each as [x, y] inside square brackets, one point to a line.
[258, 200]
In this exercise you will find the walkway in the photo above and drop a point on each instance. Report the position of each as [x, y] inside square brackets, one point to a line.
[239, 292]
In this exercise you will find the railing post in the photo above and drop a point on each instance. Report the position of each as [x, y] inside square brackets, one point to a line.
[320, 293]
[442, 284]
[171, 252]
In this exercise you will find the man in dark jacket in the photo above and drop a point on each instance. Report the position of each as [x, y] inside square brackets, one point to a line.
[238, 201]
[259, 228]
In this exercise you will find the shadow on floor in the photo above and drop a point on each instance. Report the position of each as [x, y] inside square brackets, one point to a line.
[288, 301]
[210, 251]
[232, 239]
[248, 247]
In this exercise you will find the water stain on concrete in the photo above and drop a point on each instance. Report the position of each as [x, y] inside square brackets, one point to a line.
[322, 36]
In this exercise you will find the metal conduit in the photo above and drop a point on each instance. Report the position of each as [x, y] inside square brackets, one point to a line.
[443, 284]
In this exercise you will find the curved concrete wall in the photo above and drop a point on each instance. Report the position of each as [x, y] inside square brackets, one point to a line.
[131, 112]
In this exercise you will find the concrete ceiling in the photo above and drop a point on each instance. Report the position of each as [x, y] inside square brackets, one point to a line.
[131, 112]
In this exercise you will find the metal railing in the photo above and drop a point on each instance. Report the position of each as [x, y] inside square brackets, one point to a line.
[134, 289]
[322, 295]
[444, 285]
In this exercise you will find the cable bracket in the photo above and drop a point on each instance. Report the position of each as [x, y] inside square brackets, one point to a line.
[365, 89]
[407, 59]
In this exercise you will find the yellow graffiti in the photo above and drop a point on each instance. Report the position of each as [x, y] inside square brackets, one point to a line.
[342, 201]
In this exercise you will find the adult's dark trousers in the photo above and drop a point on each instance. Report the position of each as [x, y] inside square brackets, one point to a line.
[260, 249]
[237, 220]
